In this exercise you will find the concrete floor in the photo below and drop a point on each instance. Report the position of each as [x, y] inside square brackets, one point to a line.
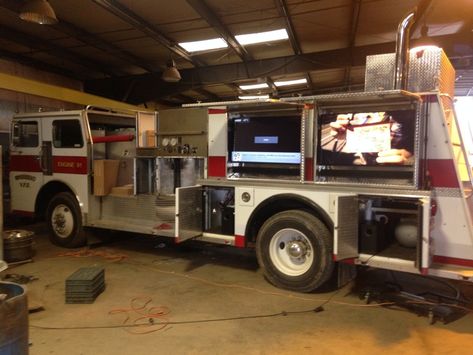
[211, 282]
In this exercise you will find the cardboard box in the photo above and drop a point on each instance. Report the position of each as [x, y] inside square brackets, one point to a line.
[150, 138]
[105, 176]
[126, 190]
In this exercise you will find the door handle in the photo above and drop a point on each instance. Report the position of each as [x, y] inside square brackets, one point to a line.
[40, 160]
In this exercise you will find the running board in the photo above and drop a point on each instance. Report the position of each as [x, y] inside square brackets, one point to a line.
[451, 271]
[144, 227]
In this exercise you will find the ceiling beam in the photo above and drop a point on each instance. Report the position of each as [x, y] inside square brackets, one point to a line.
[144, 26]
[201, 7]
[39, 44]
[354, 20]
[284, 11]
[37, 88]
[85, 37]
[310, 84]
[181, 97]
[235, 88]
[150, 86]
[208, 95]
[295, 44]
[296, 92]
[36, 64]
[272, 86]
[94, 41]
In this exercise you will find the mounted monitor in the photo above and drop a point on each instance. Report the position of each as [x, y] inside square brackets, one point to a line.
[263, 144]
[369, 143]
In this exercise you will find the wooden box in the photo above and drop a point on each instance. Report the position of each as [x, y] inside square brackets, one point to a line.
[150, 138]
[126, 190]
[105, 176]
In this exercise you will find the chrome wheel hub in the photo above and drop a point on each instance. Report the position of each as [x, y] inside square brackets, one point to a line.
[296, 249]
[62, 221]
[291, 252]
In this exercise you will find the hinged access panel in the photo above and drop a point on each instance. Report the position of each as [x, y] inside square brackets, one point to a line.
[189, 215]
[346, 227]
[424, 249]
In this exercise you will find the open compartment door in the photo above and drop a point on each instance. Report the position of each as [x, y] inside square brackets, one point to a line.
[424, 251]
[146, 125]
[189, 213]
[346, 227]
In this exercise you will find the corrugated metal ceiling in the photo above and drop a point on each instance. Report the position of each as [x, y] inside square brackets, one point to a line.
[119, 47]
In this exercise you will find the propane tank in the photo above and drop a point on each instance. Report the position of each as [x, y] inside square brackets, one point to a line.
[406, 232]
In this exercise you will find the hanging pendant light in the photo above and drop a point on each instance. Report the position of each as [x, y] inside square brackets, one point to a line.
[171, 74]
[38, 11]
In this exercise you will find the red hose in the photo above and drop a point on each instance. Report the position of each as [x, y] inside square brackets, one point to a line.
[115, 138]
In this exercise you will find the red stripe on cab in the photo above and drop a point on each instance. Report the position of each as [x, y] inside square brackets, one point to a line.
[27, 163]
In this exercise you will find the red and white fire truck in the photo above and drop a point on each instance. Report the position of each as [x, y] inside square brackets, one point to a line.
[377, 178]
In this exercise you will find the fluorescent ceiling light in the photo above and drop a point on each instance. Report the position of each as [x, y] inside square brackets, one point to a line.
[254, 86]
[253, 97]
[290, 82]
[261, 37]
[207, 44]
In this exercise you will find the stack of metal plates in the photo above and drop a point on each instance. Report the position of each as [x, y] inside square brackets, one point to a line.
[84, 285]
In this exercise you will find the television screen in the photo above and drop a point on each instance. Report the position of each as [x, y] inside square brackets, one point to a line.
[264, 139]
[367, 138]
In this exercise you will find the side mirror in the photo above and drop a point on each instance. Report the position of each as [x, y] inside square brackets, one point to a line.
[15, 134]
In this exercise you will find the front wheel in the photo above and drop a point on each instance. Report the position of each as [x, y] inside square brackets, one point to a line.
[294, 249]
[64, 220]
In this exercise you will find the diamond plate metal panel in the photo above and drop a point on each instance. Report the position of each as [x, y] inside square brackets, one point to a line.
[346, 229]
[142, 213]
[369, 182]
[447, 76]
[379, 72]
[189, 217]
[429, 70]
[356, 97]
[447, 192]
[135, 207]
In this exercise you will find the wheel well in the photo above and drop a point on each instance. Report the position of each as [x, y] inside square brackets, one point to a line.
[46, 194]
[282, 203]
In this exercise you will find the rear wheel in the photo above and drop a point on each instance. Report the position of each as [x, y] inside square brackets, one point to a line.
[294, 249]
[64, 220]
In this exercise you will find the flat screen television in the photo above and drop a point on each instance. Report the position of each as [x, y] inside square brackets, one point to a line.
[367, 138]
[375, 144]
[265, 140]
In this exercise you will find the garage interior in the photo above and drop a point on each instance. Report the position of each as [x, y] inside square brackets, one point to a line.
[194, 297]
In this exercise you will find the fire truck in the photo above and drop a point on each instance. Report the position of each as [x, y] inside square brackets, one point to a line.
[378, 178]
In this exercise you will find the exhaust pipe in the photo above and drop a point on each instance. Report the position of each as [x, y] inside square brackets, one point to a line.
[401, 66]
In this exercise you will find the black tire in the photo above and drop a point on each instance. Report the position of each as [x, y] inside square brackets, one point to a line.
[312, 265]
[64, 220]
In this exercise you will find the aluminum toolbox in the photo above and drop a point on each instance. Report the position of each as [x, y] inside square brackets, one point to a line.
[429, 70]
